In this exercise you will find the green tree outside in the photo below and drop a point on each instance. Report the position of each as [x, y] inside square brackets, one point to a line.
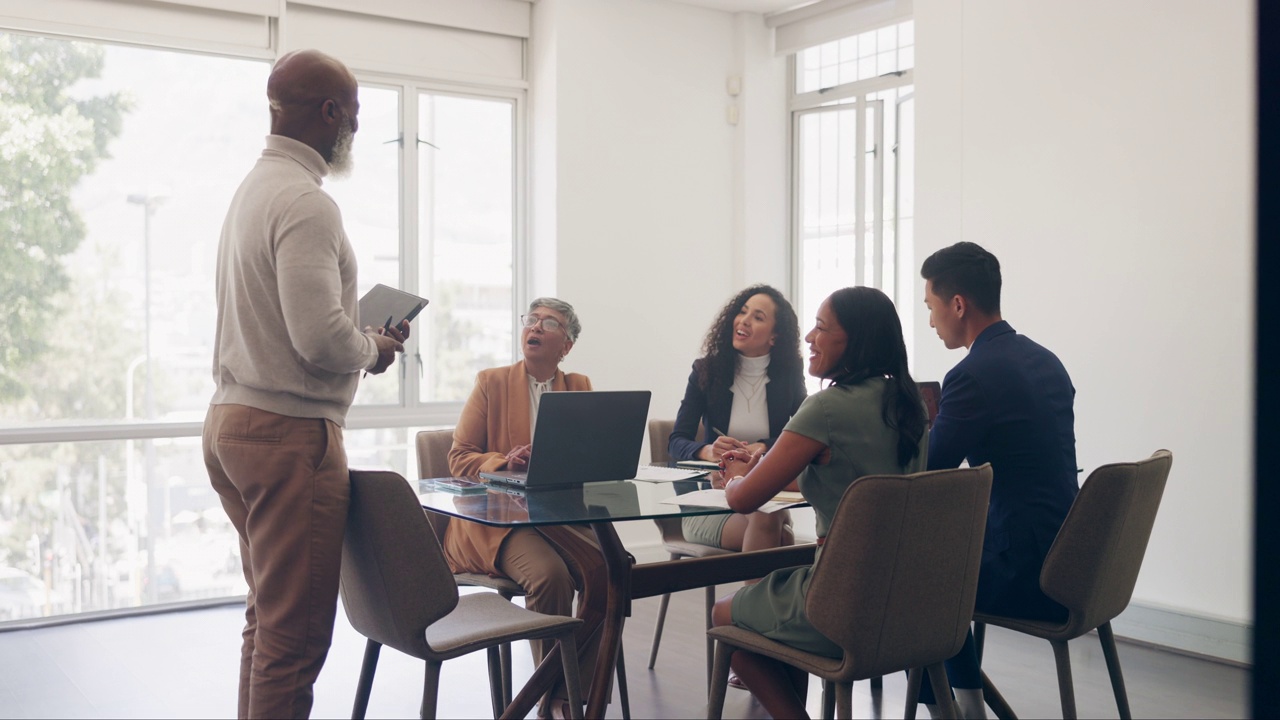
[54, 344]
[49, 139]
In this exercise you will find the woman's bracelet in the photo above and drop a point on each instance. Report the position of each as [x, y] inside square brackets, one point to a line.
[730, 481]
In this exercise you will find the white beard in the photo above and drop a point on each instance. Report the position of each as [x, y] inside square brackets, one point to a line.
[341, 162]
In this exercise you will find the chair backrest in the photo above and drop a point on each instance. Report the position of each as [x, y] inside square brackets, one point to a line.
[898, 574]
[659, 436]
[433, 462]
[660, 439]
[433, 453]
[1094, 562]
[395, 581]
[931, 393]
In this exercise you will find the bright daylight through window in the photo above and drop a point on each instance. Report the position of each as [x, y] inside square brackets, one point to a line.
[853, 135]
[116, 170]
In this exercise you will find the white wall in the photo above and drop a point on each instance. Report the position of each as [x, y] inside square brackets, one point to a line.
[634, 192]
[1104, 152]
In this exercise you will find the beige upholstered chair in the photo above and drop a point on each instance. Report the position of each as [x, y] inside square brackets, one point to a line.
[433, 462]
[894, 586]
[398, 591]
[1093, 565]
[677, 547]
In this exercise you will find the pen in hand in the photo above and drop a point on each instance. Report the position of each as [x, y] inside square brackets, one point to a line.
[386, 328]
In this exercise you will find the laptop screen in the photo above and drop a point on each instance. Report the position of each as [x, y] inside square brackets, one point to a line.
[585, 436]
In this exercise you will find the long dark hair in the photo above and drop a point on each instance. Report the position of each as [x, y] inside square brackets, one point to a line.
[876, 349]
[720, 359]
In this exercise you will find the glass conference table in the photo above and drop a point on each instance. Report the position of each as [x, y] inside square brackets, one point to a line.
[600, 505]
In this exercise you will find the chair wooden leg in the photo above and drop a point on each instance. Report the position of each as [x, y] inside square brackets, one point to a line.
[942, 690]
[877, 697]
[711, 646]
[913, 693]
[657, 629]
[495, 681]
[719, 681]
[365, 685]
[661, 621]
[1108, 641]
[504, 652]
[572, 681]
[430, 690]
[506, 661]
[1065, 688]
[844, 700]
[621, 670]
[828, 700]
[991, 695]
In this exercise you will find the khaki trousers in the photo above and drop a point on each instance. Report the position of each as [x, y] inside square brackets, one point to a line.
[284, 483]
[549, 562]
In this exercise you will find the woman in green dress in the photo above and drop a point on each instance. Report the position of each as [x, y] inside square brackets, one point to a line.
[870, 420]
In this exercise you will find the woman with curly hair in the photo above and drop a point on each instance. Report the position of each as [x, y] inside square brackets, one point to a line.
[742, 391]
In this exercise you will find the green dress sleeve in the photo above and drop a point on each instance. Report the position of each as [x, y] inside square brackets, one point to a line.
[811, 420]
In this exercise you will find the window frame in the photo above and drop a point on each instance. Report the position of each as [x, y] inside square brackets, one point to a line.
[818, 101]
[409, 412]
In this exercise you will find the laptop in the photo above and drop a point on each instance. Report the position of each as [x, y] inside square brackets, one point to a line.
[583, 436]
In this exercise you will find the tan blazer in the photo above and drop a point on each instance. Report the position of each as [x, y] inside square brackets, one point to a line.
[495, 419]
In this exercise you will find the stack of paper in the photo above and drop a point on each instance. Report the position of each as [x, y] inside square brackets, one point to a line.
[658, 473]
[715, 498]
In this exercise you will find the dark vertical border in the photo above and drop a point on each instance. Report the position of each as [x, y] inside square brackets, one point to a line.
[1266, 558]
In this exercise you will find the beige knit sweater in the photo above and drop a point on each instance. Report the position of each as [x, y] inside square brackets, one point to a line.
[287, 338]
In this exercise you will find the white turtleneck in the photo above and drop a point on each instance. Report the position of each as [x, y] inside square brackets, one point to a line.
[749, 417]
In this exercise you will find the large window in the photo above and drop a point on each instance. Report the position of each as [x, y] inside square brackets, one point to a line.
[853, 152]
[117, 164]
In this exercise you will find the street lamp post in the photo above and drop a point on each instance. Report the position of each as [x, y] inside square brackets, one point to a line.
[149, 201]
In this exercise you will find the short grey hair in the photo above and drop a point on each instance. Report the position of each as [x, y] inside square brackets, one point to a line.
[574, 328]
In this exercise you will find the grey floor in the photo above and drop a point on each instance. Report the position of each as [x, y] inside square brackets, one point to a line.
[184, 665]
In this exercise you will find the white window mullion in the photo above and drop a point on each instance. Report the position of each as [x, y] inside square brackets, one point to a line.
[860, 204]
[521, 281]
[878, 194]
[409, 251]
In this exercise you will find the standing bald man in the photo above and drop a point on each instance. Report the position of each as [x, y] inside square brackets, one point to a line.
[287, 357]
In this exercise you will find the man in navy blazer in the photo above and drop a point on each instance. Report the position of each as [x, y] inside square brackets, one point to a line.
[1009, 403]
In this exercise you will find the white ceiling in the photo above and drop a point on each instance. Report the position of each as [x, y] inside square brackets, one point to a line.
[755, 6]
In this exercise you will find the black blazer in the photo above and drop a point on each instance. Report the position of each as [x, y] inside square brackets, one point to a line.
[1010, 403]
[782, 394]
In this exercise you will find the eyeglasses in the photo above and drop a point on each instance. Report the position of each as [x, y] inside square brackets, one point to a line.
[549, 324]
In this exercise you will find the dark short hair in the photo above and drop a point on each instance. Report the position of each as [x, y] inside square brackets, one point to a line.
[968, 270]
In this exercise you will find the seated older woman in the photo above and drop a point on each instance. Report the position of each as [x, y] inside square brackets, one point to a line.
[495, 433]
